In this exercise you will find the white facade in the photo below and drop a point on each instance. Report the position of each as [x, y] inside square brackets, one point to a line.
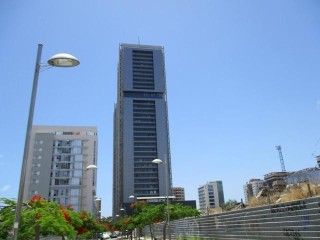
[56, 166]
[252, 188]
[210, 195]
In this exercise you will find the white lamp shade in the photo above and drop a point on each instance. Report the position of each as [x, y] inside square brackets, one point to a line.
[157, 161]
[63, 60]
[91, 167]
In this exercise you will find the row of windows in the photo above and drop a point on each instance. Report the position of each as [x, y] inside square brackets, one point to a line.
[144, 111]
[143, 154]
[139, 129]
[139, 64]
[76, 133]
[145, 170]
[143, 78]
[144, 139]
[139, 180]
[142, 105]
[59, 143]
[151, 144]
[67, 158]
[63, 150]
[143, 57]
[139, 86]
[147, 192]
[145, 149]
[143, 82]
[142, 94]
[144, 186]
[67, 181]
[135, 51]
[150, 164]
[140, 74]
[143, 86]
[138, 124]
[144, 120]
[142, 69]
[145, 175]
[142, 60]
[144, 134]
[143, 159]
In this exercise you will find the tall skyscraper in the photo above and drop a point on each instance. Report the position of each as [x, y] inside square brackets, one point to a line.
[57, 166]
[141, 131]
[210, 195]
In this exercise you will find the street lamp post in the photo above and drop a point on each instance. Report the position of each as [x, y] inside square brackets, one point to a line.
[165, 162]
[58, 60]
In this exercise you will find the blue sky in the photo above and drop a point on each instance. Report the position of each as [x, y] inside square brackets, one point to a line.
[242, 77]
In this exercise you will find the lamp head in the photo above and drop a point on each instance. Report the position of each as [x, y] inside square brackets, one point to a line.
[91, 167]
[157, 161]
[63, 60]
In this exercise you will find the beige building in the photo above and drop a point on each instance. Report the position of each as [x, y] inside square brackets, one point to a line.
[57, 166]
[178, 192]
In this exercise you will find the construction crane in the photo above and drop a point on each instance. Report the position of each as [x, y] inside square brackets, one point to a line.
[281, 158]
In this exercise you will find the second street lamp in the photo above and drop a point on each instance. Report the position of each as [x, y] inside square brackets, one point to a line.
[165, 162]
[58, 60]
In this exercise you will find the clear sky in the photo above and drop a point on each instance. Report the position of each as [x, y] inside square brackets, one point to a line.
[242, 77]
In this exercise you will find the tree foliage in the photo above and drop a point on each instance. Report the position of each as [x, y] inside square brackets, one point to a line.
[6, 216]
[228, 205]
[149, 214]
[40, 217]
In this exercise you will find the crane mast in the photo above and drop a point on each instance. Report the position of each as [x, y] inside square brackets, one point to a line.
[283, 168]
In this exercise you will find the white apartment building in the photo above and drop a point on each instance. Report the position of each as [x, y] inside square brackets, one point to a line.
[57, 164]
[252, 188]
[210, 195]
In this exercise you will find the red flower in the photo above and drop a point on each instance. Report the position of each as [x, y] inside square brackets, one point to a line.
[65, 215]
[36, 198]
[80, 230]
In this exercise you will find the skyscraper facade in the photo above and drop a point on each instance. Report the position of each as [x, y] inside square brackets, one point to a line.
[57, 166]
[141, 131]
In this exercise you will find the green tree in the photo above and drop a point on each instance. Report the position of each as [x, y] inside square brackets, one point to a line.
[47, 218]
[149, 214]
[228, 205]
[90, 226]
[6, 216]
[40, 217]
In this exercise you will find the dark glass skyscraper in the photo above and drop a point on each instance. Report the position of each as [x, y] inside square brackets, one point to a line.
[141, 131]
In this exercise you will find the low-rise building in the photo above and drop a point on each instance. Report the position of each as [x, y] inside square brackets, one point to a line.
[178, 192]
